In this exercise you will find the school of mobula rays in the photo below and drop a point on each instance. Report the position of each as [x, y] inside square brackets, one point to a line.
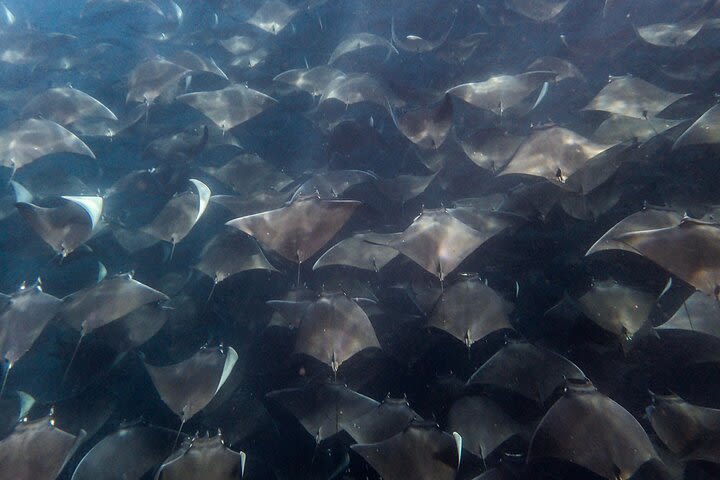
[360, 239]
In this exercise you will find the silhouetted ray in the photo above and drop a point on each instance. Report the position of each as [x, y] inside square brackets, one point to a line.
[671, 34]
[386, 420]
[422, 452]
[404, 187]
[36, 450]
[538, 10]
[633, 97]
[588, 429]
[426, 127]
[492, 148]
[331, 185]
[230, 106]
[67, 226]
[273, 16]
[460, 50]
[522, 368]
[135, 328]
[129, 452]
[333, 329]
[619, 309]
[415, 43]
[360, 41]
[109, 300]
[180, 214]
[705, 130]
[438, 242]
[180, 147]
[689, 250]
[187, 387]
[23, 317]
[231, 252]
[469, 310]
[206, 458]
[197, 64]
[363, 250]
[298, 230]
[699, 313]
[313, 80]
[249, 173]
[692, 432]
[483, 424]
[648, 219]
[65, 105]
[25, 141]
[555, 154]
[323, 409]
[151, 78]
[502, 92]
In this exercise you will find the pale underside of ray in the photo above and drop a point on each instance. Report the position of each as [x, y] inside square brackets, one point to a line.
[152, 78]
[187, 387]
[501, 92]
[633, 97]
[690, 250]
[355, 88]
[438, 242]
[238, 44]
[273, 16]
[298, 230]
[65, 105]
[644, 220]
[491, 149]
[313, 81]
[28, 140]
[705, 130]
[196, 63]
[360, 41]
[426, 127]
[230, 106]
[180, 214]
[670, 34]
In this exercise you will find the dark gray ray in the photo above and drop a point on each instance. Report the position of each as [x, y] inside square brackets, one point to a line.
[204, 457]
[105, 4]
[554, 154]
[135, 328]
[188, 386]
[705, 130]
[469, 310]
[619, 309]
[151, 78]
[297, 231]
[230, 106]
[239, 44]
[648, 219]
[25, 141]
[313, 81]
[132, 240]
[386, 420]
[67, 226]
[491, 148]
[690, 250]
[459, 51]
[670, 34]
[438, 242]
[619, 128]
[66, 105]
[13, 408]
[323, 409]
[633, 97]
[483, 424]
[331, 185]
[360, 41]
[334, 329]
[181, 147]
[502, 92]
[197, 64]
[692, 432]
[404, 187]
[699, 313]
[273, 16]
[180, 214]
[563, 69]
[253, 203]
[363, 250]
[538, 10]
[231, 252]
[422, 452]
[526, 370]
[426, 127]
[584, 416]
[128, 453]
[23, 317]
[290, 309]
[105, 302]
[249, 173]
[415, 43]
[36, 450]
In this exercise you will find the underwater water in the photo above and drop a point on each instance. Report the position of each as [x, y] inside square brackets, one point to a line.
[359, 239]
